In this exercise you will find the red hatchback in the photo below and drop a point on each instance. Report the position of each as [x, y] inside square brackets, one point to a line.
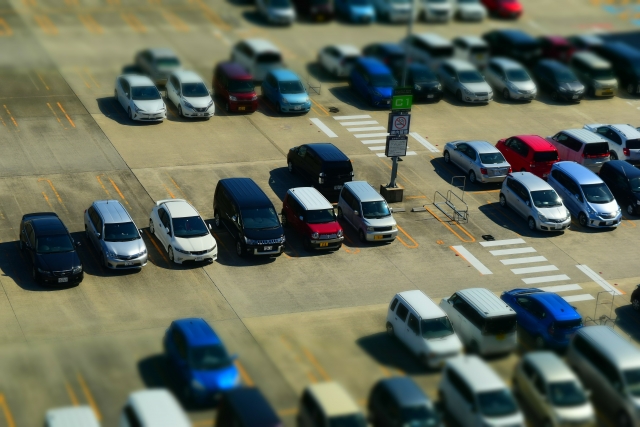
[504, 8]
[556, 47]
[529, 153]
[234, 86]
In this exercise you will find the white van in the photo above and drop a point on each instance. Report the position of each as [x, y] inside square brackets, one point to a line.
[423, 327]
[328, 404]
[71, 416]
[153, 408]
[258, 56]
[484, 323]
[472, 393]
[428, 48]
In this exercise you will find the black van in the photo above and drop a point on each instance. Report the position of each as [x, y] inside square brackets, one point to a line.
[625, 61]
[623, 179]
[323, 165]
[243, 208]
[245, 407]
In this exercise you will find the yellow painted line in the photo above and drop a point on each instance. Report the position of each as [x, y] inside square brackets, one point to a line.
[42, 80]
[312, 378]
[178, 187]
[134, 22]
[169, 191]
[8, 416]
[176, 22]
[91, 24]
[83, 79]
[413, 246]
[52, 188]
[315, 111]
[113, 2]
[451, 229]
[72, 394]
[246, 379]
[89, 397]
[153, 240]
[46, 24]
[46, 199]
[324, 110]
[3, 122]
[415, 197]
[154, 1]
[5, 29]
[316, 364]
[71, 2]
[66, 115]
[385, 371]
[212, 16]
[103, 187]
[218, 240]
[115, 187]
[88, 73]
[9, 113]
[29, 2]
[56, 115]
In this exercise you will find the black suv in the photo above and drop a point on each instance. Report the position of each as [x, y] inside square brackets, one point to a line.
[323, 165]
[243, 208]
[424, 83]
[51, 250]
[623, 179]
[558, 79]
[625, 61]
[514, 44]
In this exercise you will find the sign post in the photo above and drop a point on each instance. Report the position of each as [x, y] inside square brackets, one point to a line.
[396, 146]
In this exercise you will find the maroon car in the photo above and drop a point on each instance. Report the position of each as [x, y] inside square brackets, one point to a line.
[315, 10]
[233, 85]
[556, 47]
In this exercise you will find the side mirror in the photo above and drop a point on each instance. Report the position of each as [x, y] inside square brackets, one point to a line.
[168, 230]
[356, 213]
[390, 209]
[301, 218]
[209, 226]
[234, 218]
[78, 244]
[528, 203]
[98, 235]
[140, 231]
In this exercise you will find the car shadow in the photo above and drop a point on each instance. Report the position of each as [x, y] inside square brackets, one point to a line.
[15, 265]
[227, 251]
[390, 352]
[499, 99]
[112, 109]
[281, 180]
[154, 372]
[450, 98]
[628, 320]
[348, 96]
[545, 98]
[318, 72]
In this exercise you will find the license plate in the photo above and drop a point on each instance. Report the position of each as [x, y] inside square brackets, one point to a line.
[388, 102]
[609, 222]
[297, 107]
[430, 96]
[558, 226]
[500, 337]
[337, 187]
[241, 108]
[199, 258]
[268, 248]
[575, 97]
[607, 92]
[377, 237]
[324, 244]
[128, 263]
[63, 280]
[200, 114]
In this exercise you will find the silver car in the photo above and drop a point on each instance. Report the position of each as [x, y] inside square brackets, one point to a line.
[464, 80]
[479, 159]
[157, 63]
[536, 201]
[113, 233]
[510, 79]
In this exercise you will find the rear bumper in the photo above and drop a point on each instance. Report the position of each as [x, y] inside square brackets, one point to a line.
[491, 179]
[606, 92]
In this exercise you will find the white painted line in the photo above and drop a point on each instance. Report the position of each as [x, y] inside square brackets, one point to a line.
[364, 116]
[365, 122]
[377, 148]
[544, 279]
[409, 153]
[561, 288]
[512, 251]
[424, 142]
[502, 242]
[471, 259]
[538, 269]
[366, 129]
[323, 128]
[370, 135]
[526, 260]
[574, 298]
[373, 141]
[599, 280]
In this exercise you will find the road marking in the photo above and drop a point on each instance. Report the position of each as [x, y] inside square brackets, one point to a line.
[213, 17]
[413, 246]
[8, 416]
[503, 242]
[323, 127]
[527, 260]
[424, 142]
[102, 185]
[538, 269]
[561, 288]
[365, 122]
[86, 70]
[83, 79]
[574, 298]
[42, 80]
[46, 199]
[246, 379]
[90, 23]
[56, 115]
[46, 24]
[176, 22]
[175, 184]
[365, 116]
[451, 229]
[169, 191]
[151, 237]
[599, 280]
[544, 279]
[66, 115]
[54, 191]
[465, 254]
[5, 29]
[133, 22]
[316, 364]
[89, 397]
[366, 129]
[500, 252]
[370, 135]
[115, 187]
[10, 116]
[409, 153]
[324, 110]
[377, 148]
[287, 412]
[72, 394]
[374, 141]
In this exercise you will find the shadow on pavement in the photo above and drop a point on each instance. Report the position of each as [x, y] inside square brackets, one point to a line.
[389, 352]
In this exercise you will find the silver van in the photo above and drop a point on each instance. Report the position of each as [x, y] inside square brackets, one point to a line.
[595, 73]
[536, 201]
[609, 366]
[585, 195]
[581, 146]
[367, 212]
[113, 233]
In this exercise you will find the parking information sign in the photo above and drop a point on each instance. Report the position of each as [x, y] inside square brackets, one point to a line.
[399, 123]
[402, 98]
[396, 146]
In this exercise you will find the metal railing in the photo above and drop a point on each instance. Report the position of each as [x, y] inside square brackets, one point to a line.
[453, 206]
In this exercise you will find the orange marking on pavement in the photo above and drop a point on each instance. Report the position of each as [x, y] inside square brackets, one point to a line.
[415, 244]
[56, 115]
[42, 80]
[451, 229]
[113, 184]
[415, 197]
[134, 22]
[350, 251]
[54, 190]
[5, 29]
[176, 22]
[316, 365]
[3, 123]
[8, 416]
[89, 397]
[287, 412]
[46, 24]
[169, 191]
[178, 187]
[212, 16]
[66, 115]
[246, 379]
[506, 217]
[90, 23]
[153, 241]
[72, 394]
[385, 371]
[320, 107]
[312, 378]
[9, 113]
[46, 199]
[103, 187]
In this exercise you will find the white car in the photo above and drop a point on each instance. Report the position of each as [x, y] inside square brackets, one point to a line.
[393, 10]
[182, 232]
[153, 407]
[470, 10]
[190, 95]
[71, 416]
[140, 98]
[157, 63]
[510, 79]
[277, 11]
[338, 59]
[472, 49]
[436, 10]
[623, 140]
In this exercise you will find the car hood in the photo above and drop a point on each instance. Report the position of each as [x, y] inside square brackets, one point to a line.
[387, 221]
[556, 212]
[438, 7]
[385, 91]
[400, 7]
[265, 234]
[505, 421]
[132, 247]
[572, 86]
[477, 87]
[195, 244]
[362, 10]
[471, 8]
[281, 11]
[528, 85]
[608, 82]
[150, 106]
[58, 261]
[445, 345]
[296, 98]
[219, 379]
[199, 102]
[325, 228]
[575, 413]
[605, 208]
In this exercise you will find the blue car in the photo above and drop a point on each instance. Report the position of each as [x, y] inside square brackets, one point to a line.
[372, 80]
[199, 361]
[356, 10]
[546, 317]
[285, 90]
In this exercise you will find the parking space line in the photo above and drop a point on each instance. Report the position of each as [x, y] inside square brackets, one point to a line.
[10, 116]
[466, 255]
[347, 250]
[169, 191]
[324, 128]
[324, 110]
[46, 199]
[525, 260]
[499, 211]
[365, 129]
[312, 359]
[42, 80]
[503, 242]
[54, 191]
[133, 21]
[89, 396]
[219, 240]
[90, 23]
[115, 187]
[8, 416]
[363, 116]
[287, 412]
[599, 280]
[83, 79]
[88, 73]
[175, 22]
[514, 251]
[153, 241]
[415, 197]
[72, 394]
[246, 379]
[212, 16]
[5, 29]
[102, 185]
[581, 297]
[413, 246]
[473, 239]
[56, 115]
[178, 187]
[545, 279]
[424, 142]
[46, 24]
[364, 122]
[538, 269]
[370, 135]
[66, 115]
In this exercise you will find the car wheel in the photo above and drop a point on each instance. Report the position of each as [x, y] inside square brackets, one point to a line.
[623, 419]
[631, 210]
[635, 303]
[285, 222]
[630, 88]
[472, 177]
[216, 219]
[115, 94]
[340, 214]
[152, 229]
[86, 234]
[306, 243]
[505, 94]
[592, 92]
[279, 107]
[180, 111]
[582, 219]
[459, 96]
[171, 257]
[503, 201]
[227, 107]
[390, 330]
[34, 275]
[447, 157]
[130, 115]
[554, 95]
[362, 237]
[532, 224]
[539, 341]
[613, 155]
[239, 249]
[20, 244]
[290, 167]
[103, 260]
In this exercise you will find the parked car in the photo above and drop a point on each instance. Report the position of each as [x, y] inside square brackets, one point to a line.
[357, 11]
[338, 59]
[373, 80]
[529, 153]
[624, 182]
[322, 165]
[313, 217]
[245, 407]
[50, 249]
[394, 10]
[182, 232]
[470, 10]
[157, 63]
[368, 213]
[399, 401]
[635, 298]
[558, 79]
[625, 61]
[514, 44]
[581, 146]
[111, 230]
[425, 84]
[391, 54]
[552, 391]
[284, 89]
[139, 97]
[428, 48]
[234, 86]
[595, 73]
[584, 42]
[153, 407]
[585, 195]
[328, 404]
[504, 8]
[464, 80]
[276, 11]
[623, 140]
[545, 316]
[190, 95]
[479, 159]
[257, 56]
[472, 49]
[315, 10]
[422, 326]
[71, 416]
[556, 47]
[436, 10]
[510, 79]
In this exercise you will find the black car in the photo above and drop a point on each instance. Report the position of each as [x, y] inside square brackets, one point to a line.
[623, 179]
[514, 44]
[558, 79]
[625, 61]
[241, 207]
[423, 81]
[399, 401]
[245, 407]
[392, 54]
[635, 299]
[50, 249]
[323, 165]
[315, 10]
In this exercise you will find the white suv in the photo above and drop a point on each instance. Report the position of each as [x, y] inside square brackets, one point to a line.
[623, 140]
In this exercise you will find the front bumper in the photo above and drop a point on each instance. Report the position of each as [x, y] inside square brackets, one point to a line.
[179, 257]
[321, 16]
[605, 91]
[434, 96]
[150, 117]
[595, 221]
[243, 106]
[470, 16]
[516, 94]
[118, 263]
[553, 226]
[280, 19]
[476, 99]
[571, 96]
[381, 236]
[438, 360]
[275, 249]
[295, 108]
[399, 16]
[437, 16]
[188, 112]
[52, 279]
[326, 244]
[363, 19]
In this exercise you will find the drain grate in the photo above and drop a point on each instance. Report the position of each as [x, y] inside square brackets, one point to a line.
[488, 237]
[334, 110]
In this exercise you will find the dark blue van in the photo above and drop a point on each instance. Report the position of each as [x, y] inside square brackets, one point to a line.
[398, 401]
[625, 61]
[373, 80]
[246, 407]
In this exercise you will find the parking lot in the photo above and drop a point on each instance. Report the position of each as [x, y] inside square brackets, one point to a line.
[297, 319]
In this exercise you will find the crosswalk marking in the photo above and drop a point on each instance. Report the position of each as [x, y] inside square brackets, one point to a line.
[373, 141]
[512, 251]
[525, 260]
[365, 122]
[599, 280]
[370, 135]
[355, 123]
[364, 116]
[424, 142]
[581, 297]
[377, 148]
[366, 129]
[503, 242]
[464, 253]
[324, 128]
[561, 288]
[538, 269]
[544, 279]
[409, 153]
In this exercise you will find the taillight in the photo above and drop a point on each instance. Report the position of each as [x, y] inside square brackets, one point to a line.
[321, 178]
[510, 170]
[626, 152]
[594, 156]
[483, 171]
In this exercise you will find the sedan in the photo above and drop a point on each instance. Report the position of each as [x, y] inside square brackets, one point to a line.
[470, 10]
[510, 79]
[338, 59]
[182, 232]
[463, 79]
[277, 11]
[284, 89]
[481, 160]
[140, 98]
[189, 94]
[558, 79]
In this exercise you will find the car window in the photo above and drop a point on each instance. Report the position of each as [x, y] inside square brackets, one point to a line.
[413, 324]
[471, 153]
[597, 193]
[528, 369]
[121, 232]
[302, 151]
[436, 328]
[460, 385]
[295, 206]
[132, 417]
[260, 218]
[346, 196]
[520, 147]
[31, 235]
[531, 306]
[180, 343]
[195, 90]
[393, 305]
[145, 93]
[545, 198]
[402, 312]
[539, 385]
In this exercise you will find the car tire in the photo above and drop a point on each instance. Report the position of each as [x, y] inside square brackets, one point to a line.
[613, 155]
[582, 219]
[34, 275]
[447, 157]
[505, 94]
[390, 330]
[239, 249]
[171, 255]
[539, 342]
[623, 419]
[216, 219]
[503, 201]
[180, 111]
[279, 107]
[290, 167]
[284, 221]
[361, 236]
[630, 88]
[152, 229]
[635, 303]
[227, 107]
[115, 94]
[592, 92]
[631, 210]
[555, 96]
[474, 348]
[20, 244]
[130, 115]
[306, 243]
[531, 223]
[340, 213]
[459, 96]
[472, 177]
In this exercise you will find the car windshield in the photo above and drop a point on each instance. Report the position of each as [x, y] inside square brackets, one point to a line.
[194, 90]
[492, 158]
[360, 2]
[53, 244]
[633, 144]
[602, 74]
[632, 380]
[372, 210]
[566, 393]
[444, 51]
[423, 75]
[545, 156]
[167, 62]
[470, 76]
[419, 416]
[279, 3]
[635, 184]
[320, 216]
[145, 93]
[518, 75]
[499, 325]
[545, 199]
[382, 80]
[436, 328]
[290, 87]
[260, 218]
[353, 420]
[269, 58]
[597, 193]
[497, 403]
[192, 226]
[241, 86]
[565, 76]
[209, 357]
[121, 232]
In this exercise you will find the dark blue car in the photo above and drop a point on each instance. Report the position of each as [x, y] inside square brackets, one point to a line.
[373, 80]
[199, 361]
[546, 317]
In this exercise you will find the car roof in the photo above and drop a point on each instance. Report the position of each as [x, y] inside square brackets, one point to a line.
[531, 181]
[310, 198]
[333, 399]
[346, 49]
[616, 348]
[390, 47]
[517, 36]
[552, 64]
[476, 373]
[584, 135]
[180, 208]
[550, 366]
[557, 305]
[627, 130]
[364, 191]
[246, 192]
[235, 70]
[405, 391]
[485, 301]
[592, 59]
[158, 407]
[482, 147]
[627, 168]
[472, 40]
[46, 225]
[162, 52]
[577, 171]
[197, 332]
[460, 64]
[252, 407]
[112, 211]
[373, 65]
[261, 45]
[559, 40]
[433, 39]
[537, 142]
[282, 74]
[72, 416]
[186, 76]
[621, 49]
[506, 63]
[328, 152]
[138, 80]
[422, 304]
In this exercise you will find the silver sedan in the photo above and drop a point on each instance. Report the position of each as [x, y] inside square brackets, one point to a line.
[479, 159]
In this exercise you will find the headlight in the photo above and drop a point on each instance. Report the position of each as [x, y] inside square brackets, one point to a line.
[315, 235]
[638, 202]
[144, 251]
[188, 105]
[542, 218]
[369, 228]
[164, 107]
[233, 98]
[182, 251]
[138, 110]
[284, 100]
[282, 239]
[512, 86]
[77, 270]
[110, 254]
[417, 87]
[210, 104]
[196, 385]
[563, 89]
[439, 86]
[467, 91]
[568, 213]
[41, 271]
[214, 246]
[590, 210]
[340, 233]
[254, 97]
[250, 241]
[306, 99]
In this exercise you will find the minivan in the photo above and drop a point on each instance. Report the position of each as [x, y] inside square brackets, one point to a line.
[423, 327]
[623, 179]
[71, 416]
[245, 407]
[328, 404]
[258, 56]
[623, 140]
[367, 212]
[114, 235]
[625, 61]
[609, 366]
[558, 79]
[399, 401]
[485, 324]
[151, 408]
[585, 195]
[428, 48]
[241, 207]
[595, 73]
[513, 43]
[234, 86]
[581, 146]
[474, 395]
[529, 153]
[472, 49]
[372, 80]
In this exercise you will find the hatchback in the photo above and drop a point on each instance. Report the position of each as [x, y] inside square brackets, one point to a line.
[190, 95]
[529, 153]
[399, 401]
[589, 149]
[624, 182]
[595, 73]
[623, 140]
[393, 10]
[234, 86]
[157, 63]
[556, 47]
[436, 10]
[357, 11]
[463, 80]
[277, 11]
[372, 80]
[328, 404]
[512, 43]
[585, 42]
[510, 79]
[504, 8]
[367, 211]
[245, 407]
[425, 84]
[322, 165]
[428, 48]
[140, 98]
[480, 160]
[338, 59]
[558, 79]
[284, 89]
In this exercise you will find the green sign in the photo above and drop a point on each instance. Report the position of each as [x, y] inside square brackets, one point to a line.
[402, 98]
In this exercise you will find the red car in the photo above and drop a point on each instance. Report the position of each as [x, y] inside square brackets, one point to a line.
[234, 86]
[529, 153]
[556, 47]
[504, 8]
[313, 217]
